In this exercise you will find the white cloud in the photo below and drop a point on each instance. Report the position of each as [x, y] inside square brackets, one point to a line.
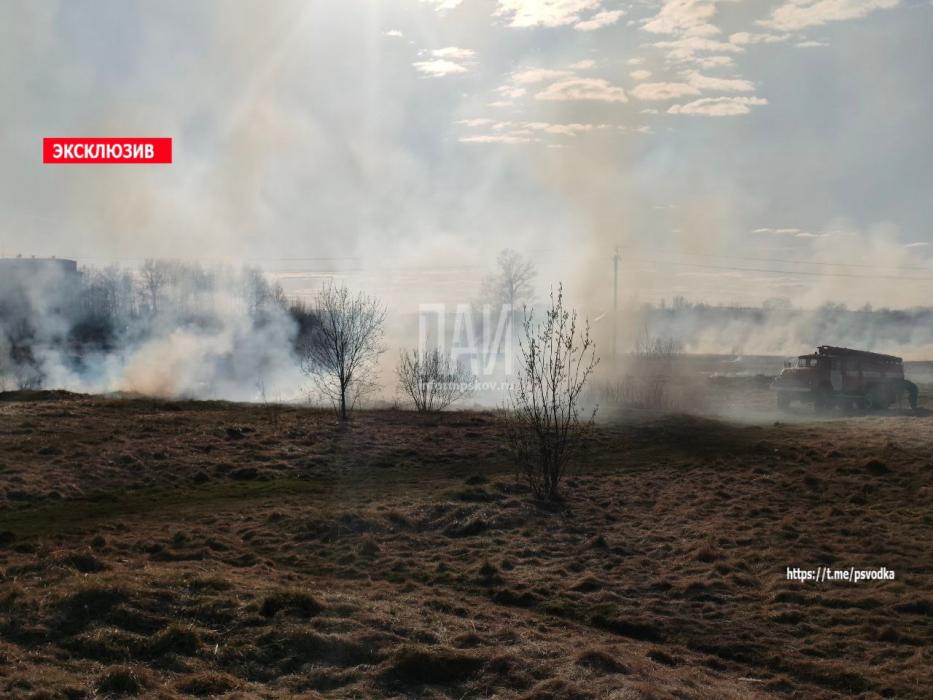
[571, 129]
[496, 138]
[439, 68]
[591, 89]
[635, 61]
[394, 33]
[509, 132]
[545, 13]
[511, 92]
[713, 61]
[706, 83]
[585, 64]
[685, 49]
[454, 53]
[810, 44]
[443, 5]
[799, 14]
[684, 17]
[538, 75]
[653, 92]
[599, 20]
[478, 121]
[641, 74]
[450, 60]
[745, 38]
[718, 106]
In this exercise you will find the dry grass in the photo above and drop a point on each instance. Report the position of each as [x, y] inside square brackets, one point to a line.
[397, 557]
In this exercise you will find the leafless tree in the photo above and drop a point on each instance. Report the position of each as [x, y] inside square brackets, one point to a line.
[545, 425]
[341, 354]
[432, 380]
[154, 275]
[511, 283]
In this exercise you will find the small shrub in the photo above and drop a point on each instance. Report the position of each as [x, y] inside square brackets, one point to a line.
[545, 429]
[432, 380]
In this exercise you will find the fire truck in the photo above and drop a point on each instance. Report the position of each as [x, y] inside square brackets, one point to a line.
[844, 378]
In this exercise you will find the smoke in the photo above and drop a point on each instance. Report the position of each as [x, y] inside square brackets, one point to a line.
[191, 331]
[303, 133]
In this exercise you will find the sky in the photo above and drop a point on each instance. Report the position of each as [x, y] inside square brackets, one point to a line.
[733, 151]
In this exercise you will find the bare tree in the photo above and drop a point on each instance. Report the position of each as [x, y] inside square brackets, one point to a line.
[341, 354]
[545, 427]
[432, 380]
[154, 275]
[511, 283]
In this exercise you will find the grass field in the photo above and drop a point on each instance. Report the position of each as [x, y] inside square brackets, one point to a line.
[175, 549]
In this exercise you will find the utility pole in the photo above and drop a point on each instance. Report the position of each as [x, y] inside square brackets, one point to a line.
[615, 299]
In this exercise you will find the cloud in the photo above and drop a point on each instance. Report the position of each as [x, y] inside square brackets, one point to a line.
[393, 33]
[641, 74]
[684, 17]
[792, 232]
[538, 75]
[713, 61]
[558, 129]
[450, 60]
[745, 38]
[443, 5]
[800, 14]
[685, 49]
[708, 83]
[810, 44]
[718, 106]
[585, 64]
[496, 138]
[439, 68]
[599, 20]
[545, 13]
[479, 121]
[510, 91]
[652, 92]
[454, 53]
[591, 89]
[518, 132]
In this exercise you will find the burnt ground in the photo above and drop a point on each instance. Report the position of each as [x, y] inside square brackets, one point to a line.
[176, 549]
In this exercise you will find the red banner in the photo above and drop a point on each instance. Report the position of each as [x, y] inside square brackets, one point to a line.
[106, 150]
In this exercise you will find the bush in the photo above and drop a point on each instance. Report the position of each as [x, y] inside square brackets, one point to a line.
[432, 380]
[545, 427]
